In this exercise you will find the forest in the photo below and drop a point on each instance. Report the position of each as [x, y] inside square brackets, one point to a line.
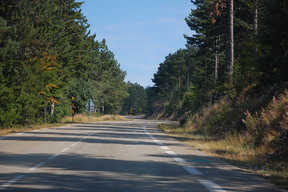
[238, 48]
[230, 82]
[228, 53]
[228, 87]
[48, 56]
[237, 55]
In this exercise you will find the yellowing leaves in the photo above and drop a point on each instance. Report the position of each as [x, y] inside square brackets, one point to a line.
[53, 100]
[52, 85]
[42, 93]
[46, 61]
[215, 7]
[49, 67]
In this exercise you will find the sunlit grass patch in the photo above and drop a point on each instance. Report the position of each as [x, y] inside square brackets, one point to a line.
[83, 118]
[235, 150]
[79, 118]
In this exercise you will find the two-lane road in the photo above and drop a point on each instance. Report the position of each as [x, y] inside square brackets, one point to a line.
[130, 156]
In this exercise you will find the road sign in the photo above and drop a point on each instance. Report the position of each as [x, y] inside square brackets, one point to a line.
[90, 106]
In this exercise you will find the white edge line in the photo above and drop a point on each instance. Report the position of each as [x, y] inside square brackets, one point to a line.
[191, 170]
[211, 186]
[165, 148]
[180, 160]
[66, 149]
[37, 166]
[9, 183]
[159, 143]
[171, 152]
[151, 137]
[54, 156]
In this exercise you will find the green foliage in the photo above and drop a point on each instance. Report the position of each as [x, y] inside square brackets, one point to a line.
[136, 101]
[46, 57]
[273, 62]
[260, 65]
[188, 101]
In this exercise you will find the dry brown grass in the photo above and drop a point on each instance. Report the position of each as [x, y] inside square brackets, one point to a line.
[82, 118]
[77, 119]
[234, 150]
[17, 129]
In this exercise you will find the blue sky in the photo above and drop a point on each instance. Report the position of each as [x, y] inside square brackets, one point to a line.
[141, 33]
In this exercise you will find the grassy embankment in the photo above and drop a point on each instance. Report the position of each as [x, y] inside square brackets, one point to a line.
[79, 118]
[256, 141]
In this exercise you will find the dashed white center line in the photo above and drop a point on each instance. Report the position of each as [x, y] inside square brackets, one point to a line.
[12, 181]
[73, 145]
[7, 184]
[211, 186]
[3, 138]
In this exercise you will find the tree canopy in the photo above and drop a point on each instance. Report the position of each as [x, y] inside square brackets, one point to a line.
[256, 33]
[47, 56]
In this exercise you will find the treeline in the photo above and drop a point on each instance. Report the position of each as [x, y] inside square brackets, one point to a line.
[237, 46]
[48, 56]
[137, 101]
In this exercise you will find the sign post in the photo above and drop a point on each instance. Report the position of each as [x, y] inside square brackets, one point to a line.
[73, 107]
[90, 107]
[131, 112]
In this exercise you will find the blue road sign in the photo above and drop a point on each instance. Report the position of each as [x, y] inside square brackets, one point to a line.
[90, 106]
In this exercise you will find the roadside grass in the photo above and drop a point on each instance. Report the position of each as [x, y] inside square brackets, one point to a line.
[79, 118]
[83, 118]
[23, 128]
[233, 149]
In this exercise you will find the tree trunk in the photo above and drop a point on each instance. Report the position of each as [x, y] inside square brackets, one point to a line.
[179, 83]
[217, 41]
[216, 66]
[52, 108]
[255, 27]
[187, 78]
[206, 74]
[255, 19]
[45, 114]
[230, 51]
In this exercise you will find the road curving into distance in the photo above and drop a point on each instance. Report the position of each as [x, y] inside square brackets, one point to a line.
[128, 156]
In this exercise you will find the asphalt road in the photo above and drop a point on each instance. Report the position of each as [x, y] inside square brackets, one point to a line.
[131, 156]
